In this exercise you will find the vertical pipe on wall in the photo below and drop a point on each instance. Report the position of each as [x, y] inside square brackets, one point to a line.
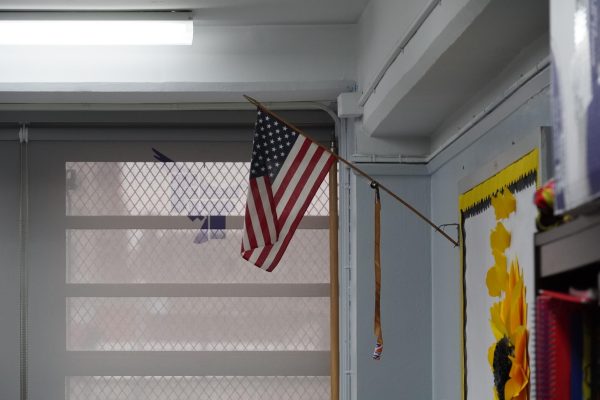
[23, 267]
[346, 272]
[334, 293]
[398, 49]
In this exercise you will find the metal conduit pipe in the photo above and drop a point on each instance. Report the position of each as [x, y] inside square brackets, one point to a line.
[406, 38]
[486, 111]
[512, 89]
[23, 262]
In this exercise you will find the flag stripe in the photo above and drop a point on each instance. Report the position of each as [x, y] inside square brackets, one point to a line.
[268, 208]
[299, 215]
[304, 166]
[288, 163]
[293, 180]
[254, 218]
[300, 201]
[245, 239]
[248, 228]
[299, 186]
[289, 171]
[258, 200]
[286, 171]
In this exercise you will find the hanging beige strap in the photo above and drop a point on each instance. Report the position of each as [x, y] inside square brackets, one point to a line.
[377, 323]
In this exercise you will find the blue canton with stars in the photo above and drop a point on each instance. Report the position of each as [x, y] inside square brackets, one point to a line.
[273, 141]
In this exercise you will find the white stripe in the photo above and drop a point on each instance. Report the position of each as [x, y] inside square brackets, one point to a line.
[288, 162]
[289, 190]
[299, 201]
[254, 218]
[245, 239]
[264, 195]
[254, 256]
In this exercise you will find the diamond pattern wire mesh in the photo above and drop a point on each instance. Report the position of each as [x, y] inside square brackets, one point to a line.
[156, 188]
[112, 256]
[198, 324]
[171, 256]
[198, 387]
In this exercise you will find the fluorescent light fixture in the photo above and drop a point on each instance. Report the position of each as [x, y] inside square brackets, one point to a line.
[96, 29]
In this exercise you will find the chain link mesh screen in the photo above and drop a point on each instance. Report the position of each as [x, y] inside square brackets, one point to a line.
[198, 387]
[198, 323]
[128, 255]
[156, 188]
[172, 256]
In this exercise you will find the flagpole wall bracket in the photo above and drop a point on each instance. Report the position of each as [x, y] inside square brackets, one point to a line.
[457, 226]
[375, 186]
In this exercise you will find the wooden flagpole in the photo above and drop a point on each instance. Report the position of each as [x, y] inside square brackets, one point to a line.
[334, 302]
[359, 172]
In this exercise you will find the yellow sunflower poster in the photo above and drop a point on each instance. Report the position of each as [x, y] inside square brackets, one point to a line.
[497, 228]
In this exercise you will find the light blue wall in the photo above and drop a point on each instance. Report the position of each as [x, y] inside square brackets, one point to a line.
[516, 128]
[404, 372]
[421, 301]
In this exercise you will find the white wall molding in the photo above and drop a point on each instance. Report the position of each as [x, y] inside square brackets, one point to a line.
[166, 95]
[380, 169]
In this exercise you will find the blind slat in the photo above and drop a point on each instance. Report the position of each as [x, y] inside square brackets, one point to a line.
[199, 290]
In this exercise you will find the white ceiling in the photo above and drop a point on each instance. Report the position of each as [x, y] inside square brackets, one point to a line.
[238, 12]
[498, 35]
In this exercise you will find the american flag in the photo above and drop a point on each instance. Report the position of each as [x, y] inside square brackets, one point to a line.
[285, 172]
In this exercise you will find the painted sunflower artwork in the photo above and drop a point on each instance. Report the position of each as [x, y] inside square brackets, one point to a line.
[508, 356]
[497, 228]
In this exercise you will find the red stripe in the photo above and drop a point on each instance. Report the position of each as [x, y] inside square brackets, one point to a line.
[289, 174]
[301, 183]
[294, 197]
[248, 221]
[263, 255]
[262, 218]
[250, 230]
[269, 188]
[246, 254]
[300, 214]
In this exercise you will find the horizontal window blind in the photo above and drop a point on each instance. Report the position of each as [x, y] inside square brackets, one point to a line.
[137, 288]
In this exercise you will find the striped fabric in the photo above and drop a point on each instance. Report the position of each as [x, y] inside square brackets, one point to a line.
[286, 170]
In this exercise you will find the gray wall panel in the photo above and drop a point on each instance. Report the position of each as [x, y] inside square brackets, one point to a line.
[9, 270]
